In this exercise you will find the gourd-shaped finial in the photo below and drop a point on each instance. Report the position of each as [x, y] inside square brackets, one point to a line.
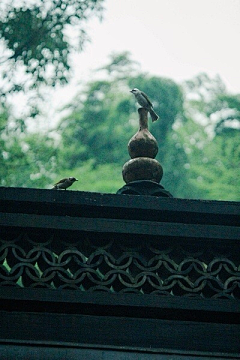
[142, 149]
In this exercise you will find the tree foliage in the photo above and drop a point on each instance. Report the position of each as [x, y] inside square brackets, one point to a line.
[214, 163]
[211, 138]
[26, 159]
[35, 39]
[198, 136]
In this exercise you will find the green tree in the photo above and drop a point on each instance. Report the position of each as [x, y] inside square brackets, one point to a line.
[96, 129]
[210, 137]
[35, 40]
[27, 159]
[229, 108]
[214, 163]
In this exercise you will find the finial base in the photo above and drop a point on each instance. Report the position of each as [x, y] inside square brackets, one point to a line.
[144, 187]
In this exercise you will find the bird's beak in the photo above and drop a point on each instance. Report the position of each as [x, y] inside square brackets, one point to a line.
[131, 91]
[76, 179]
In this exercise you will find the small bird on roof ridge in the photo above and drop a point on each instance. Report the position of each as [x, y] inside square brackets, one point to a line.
[64, 183]
[144, 101]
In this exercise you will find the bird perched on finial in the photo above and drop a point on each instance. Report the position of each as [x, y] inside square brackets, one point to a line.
[64, 183]
[144, 101]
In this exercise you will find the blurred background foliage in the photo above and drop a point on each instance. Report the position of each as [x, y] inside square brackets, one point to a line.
[198, 130]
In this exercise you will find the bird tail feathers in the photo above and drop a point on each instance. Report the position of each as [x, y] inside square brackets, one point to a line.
[154, 116]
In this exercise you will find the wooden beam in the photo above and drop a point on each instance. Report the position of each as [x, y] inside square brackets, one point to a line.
[146, 301]
[76, 198]
[120, 226]
[120, 332]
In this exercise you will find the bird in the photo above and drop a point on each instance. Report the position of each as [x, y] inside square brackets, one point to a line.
[64, 183]
[144, 101]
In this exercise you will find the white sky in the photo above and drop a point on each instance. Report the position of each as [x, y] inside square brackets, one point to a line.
[170, 38]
